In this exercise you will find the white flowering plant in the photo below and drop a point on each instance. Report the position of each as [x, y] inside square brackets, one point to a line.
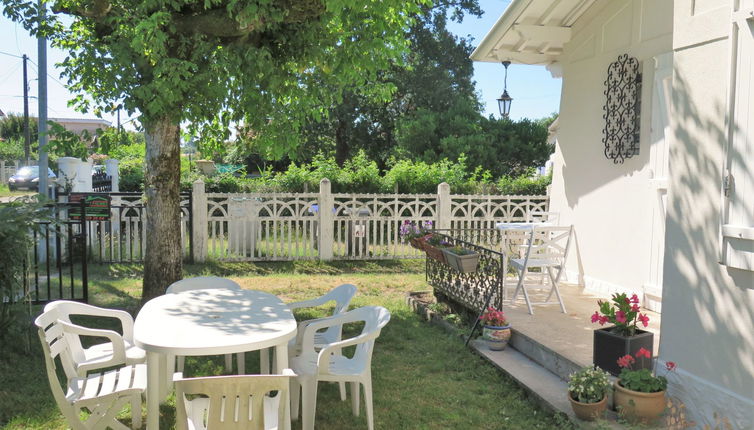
[588, 385]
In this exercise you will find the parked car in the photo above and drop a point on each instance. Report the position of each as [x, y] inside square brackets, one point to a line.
[27, 177]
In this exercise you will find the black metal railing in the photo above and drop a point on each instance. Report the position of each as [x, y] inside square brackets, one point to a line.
[476, 289]
[58, 261]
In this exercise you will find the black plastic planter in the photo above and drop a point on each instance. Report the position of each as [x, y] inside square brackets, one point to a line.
[609, 347]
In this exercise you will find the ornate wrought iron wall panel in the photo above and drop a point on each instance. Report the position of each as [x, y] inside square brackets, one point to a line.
[471, 289]
[622, 106]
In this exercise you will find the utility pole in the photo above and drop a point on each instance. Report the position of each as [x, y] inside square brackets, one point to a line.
[120, 137]
[42, 118]
[27, 132]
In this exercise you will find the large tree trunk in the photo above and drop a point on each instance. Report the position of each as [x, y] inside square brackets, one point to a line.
[163, 262]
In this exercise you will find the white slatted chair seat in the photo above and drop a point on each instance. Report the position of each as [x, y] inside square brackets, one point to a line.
[120, 349]
[103, 394]
[96, 387]
[518, 263]
[101, 352]
[546, 248]
[327, 364]
[208, 283]
[232, 402]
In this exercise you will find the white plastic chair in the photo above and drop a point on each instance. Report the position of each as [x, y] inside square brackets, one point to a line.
[232, 402]
[208, 283]
[328, 364]
[102, 394]
[341, 295]
[546, 249]
[119, 350]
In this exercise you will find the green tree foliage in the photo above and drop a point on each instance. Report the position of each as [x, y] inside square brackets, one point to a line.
[258, 63]
[12, 137]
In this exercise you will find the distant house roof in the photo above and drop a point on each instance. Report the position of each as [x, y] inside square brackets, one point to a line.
[78, 125]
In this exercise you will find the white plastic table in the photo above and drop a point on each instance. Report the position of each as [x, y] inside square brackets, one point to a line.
[208, 322]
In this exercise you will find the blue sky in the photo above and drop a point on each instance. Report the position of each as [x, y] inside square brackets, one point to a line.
[535, 93]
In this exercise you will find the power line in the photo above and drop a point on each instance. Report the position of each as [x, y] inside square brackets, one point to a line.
[49, 75]
[10, 55]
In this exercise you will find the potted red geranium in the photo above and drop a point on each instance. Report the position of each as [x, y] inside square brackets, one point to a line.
[624, 337]
[496, 331]
[640, 394]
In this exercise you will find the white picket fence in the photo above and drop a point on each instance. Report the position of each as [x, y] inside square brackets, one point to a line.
[327, 226]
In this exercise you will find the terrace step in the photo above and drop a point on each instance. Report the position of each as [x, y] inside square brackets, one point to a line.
[551, 359]
[544, 387]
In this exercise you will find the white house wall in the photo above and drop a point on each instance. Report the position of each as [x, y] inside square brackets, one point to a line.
[708, 308]
[610, 205]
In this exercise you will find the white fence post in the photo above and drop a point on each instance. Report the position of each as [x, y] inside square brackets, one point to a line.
[3, 179]
[111, 168]
[444, 214]
[199, 213]
[326, 220]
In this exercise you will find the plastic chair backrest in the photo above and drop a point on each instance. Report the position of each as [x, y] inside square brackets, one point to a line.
[202, 283]
[232, 402]
[342, 295]
[374, 318]
[66, 308]
[55, 345]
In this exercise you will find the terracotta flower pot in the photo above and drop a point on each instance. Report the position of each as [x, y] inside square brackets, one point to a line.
[497, 337]
[588, 411]
[637, 406]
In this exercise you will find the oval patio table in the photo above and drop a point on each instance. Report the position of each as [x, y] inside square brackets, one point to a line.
[208, 322]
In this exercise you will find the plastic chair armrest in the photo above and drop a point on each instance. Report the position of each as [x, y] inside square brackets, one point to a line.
[119, 347]
[323, 359]
[319, 301]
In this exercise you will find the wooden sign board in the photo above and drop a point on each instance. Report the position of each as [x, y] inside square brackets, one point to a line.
[96, 206]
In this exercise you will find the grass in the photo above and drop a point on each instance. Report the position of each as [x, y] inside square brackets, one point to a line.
[423, 377]
[5, 192]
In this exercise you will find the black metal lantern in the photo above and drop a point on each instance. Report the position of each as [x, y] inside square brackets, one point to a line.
[504, 102]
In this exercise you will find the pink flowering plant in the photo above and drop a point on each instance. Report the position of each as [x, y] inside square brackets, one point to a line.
[493, 318]
[623, 312]
[642, 380]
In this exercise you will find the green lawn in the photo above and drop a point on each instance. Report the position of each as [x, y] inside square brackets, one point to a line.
[5, 192]
[423, 377]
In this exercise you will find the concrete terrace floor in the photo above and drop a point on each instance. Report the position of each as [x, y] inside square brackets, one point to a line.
[570, 334]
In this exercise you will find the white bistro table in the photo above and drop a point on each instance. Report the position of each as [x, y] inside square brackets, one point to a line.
[208, 322]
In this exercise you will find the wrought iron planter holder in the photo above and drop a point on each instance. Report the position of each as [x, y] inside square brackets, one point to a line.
[474, 290]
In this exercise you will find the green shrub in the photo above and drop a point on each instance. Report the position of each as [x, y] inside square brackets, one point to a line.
[524, 185]
[131, 173]
[11, 150]
[19, 219]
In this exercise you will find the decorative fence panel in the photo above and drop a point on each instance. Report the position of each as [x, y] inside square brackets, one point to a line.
[295, 226]
[367, 225]
[255, 227]
[483, 212]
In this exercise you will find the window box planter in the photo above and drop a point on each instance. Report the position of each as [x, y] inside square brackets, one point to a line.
[464, 263]
[434, 253]
[609, 347]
